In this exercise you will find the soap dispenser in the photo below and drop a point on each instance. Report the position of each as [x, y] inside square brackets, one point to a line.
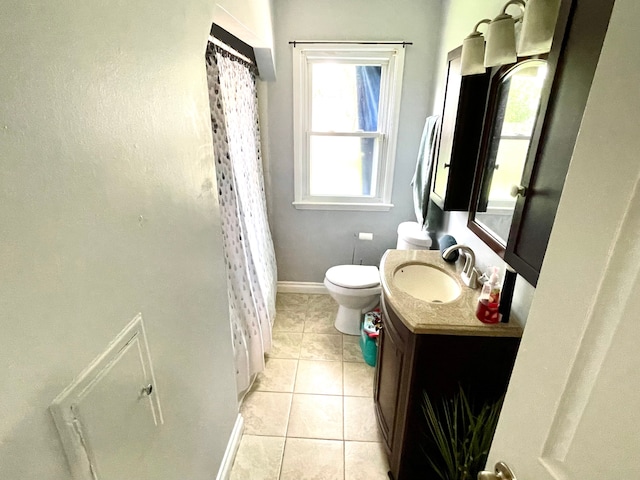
[489, 301]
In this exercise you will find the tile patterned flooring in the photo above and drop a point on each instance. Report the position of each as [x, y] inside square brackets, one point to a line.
[310, 414]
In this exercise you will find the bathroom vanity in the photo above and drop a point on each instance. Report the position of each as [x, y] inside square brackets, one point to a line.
[433, 348]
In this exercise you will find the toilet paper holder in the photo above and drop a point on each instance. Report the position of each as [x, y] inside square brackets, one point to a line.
[359, 236]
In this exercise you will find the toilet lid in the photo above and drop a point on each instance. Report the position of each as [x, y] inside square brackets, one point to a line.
[354, 276]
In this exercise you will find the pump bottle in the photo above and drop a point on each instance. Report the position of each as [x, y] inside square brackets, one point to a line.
[489, 301]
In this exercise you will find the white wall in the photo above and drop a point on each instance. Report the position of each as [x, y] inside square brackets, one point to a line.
[251, 22]
[459, 19]
[107, 209]
[309, 242]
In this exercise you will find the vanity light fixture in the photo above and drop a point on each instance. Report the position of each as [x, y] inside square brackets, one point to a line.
[472, 59]
[501, 37]
[538, 24]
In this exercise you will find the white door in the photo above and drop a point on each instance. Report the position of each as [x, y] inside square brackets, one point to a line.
[572, 410]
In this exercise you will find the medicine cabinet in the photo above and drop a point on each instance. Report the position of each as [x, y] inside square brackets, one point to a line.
[462, 116]
[514, 204]
[512, 109]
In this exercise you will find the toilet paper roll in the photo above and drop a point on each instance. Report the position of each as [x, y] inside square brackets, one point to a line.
[365, 236]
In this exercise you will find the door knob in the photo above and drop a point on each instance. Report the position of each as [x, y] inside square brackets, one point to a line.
[518, 191]
[503, 472]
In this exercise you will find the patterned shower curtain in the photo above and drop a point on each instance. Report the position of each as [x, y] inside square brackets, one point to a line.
[248, 247]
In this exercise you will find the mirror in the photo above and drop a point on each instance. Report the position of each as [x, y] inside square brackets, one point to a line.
[514, 100]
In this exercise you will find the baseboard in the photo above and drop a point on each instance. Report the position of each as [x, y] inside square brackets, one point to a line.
[302, 287]
[232, 448]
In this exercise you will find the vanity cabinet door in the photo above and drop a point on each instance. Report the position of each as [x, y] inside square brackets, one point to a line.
[392, 392]
[388, 375]
[462, 116]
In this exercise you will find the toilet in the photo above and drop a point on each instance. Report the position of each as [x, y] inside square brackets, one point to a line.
[356, 288]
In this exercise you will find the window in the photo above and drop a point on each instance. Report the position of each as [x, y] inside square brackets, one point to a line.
[346, 107]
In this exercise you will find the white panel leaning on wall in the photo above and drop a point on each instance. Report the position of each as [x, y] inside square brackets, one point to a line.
[110, 413]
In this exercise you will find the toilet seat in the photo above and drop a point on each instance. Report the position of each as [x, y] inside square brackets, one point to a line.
[354, 276]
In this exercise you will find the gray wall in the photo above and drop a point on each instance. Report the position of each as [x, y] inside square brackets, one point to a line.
[308, 242]
[105, 119]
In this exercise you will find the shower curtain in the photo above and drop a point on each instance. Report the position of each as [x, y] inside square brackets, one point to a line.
[248, 247]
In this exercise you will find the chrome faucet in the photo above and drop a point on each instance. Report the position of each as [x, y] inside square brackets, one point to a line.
[469, 273]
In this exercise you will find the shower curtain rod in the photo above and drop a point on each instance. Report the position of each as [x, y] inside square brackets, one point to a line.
[297, 42]
[229, 49]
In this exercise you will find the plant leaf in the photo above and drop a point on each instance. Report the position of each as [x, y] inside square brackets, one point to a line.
[462, 433]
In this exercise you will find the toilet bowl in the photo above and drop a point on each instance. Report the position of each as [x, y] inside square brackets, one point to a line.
[356, 289]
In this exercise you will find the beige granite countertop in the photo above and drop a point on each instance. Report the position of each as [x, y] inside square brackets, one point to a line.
[452, 318]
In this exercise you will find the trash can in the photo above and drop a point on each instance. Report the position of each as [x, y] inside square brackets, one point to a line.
[369, 332]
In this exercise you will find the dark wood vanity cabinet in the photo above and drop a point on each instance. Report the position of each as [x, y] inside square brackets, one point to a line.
[462, 116]
[409, 364]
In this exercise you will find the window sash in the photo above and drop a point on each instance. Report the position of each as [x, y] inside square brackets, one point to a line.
[360, 134]
[376, 170]
[391, 60]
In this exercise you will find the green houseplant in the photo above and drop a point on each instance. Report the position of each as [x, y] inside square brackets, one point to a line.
[461, 434]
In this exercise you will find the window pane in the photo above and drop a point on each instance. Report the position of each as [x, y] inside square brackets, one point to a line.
[342, 166]
[511, 156]
[345, 97]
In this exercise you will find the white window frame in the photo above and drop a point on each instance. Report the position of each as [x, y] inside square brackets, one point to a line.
[391, 59]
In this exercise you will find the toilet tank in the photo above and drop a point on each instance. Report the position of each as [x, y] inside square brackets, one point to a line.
[411, 237]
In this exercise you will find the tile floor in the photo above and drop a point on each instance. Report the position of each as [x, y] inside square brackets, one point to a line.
[310, 414]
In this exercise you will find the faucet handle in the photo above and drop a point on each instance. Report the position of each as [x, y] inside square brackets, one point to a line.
[471, 280]
[478, 278]
[468, 263]
[469, 274]
[482, 277]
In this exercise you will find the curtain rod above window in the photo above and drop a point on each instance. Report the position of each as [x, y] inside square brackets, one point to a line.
[297, 42]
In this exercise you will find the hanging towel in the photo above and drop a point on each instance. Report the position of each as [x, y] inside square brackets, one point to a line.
[421, 182]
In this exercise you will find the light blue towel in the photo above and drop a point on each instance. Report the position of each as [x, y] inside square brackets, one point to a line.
[421, 182]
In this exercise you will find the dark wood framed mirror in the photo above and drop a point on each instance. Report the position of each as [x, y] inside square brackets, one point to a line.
[513, 105]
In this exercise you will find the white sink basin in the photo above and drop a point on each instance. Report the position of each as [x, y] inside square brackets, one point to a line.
[427, 283]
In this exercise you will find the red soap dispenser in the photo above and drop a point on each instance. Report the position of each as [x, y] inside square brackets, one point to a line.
[489, 301]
